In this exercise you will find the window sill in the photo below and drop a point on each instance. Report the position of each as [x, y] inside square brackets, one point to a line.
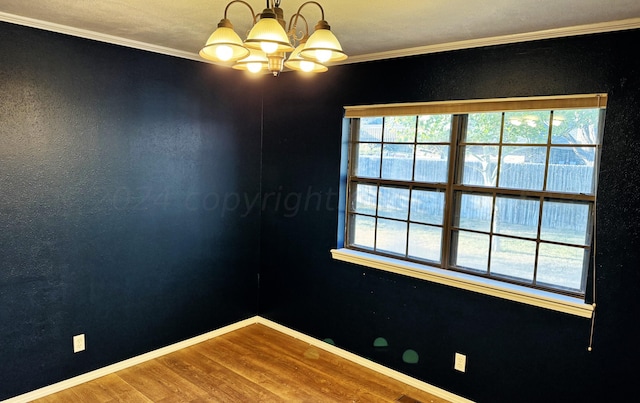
[539, 298]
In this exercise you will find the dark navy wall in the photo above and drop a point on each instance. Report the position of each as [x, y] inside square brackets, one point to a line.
[121, 179]
[129, 212]
[515, 352]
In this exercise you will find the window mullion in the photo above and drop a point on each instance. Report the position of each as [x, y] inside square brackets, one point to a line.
[375, 220]
[494, 195]
[541, 207]
[351, 164]
[413, 178]
[458, 128]
[548, 156]
[538, 237]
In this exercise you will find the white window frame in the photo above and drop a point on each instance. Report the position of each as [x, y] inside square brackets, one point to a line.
[574, 305]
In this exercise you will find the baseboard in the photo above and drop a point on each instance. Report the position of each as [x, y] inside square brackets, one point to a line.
[89, 376]
[365, 362]
[110, 369]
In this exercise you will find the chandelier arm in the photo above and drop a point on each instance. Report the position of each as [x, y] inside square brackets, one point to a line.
[293, 24]
[253, 14]
[312, 2]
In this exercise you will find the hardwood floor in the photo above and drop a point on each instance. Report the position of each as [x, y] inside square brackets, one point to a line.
[252, 364]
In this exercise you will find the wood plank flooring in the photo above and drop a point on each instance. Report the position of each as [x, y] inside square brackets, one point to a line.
[252, 364]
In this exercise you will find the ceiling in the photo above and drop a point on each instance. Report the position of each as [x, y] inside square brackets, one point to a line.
[367, 30]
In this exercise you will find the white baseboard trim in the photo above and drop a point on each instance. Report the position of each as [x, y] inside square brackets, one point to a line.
[110, 369]
[365, 362]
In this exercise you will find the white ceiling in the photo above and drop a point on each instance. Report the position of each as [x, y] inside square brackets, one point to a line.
[367, 29]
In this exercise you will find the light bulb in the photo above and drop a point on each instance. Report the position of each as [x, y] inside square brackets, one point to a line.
[254, 67]
[323, 55]
[306, 66]
[268, 47]
[224, 52]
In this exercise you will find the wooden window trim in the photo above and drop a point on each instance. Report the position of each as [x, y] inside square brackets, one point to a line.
[475, 106]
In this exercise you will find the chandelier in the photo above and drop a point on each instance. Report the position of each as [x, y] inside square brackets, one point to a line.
[269, 41]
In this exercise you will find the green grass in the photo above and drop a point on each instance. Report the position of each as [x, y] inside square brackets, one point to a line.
[515, 258]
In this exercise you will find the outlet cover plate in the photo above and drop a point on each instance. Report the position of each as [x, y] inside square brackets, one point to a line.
[460, 362]
[78, 343]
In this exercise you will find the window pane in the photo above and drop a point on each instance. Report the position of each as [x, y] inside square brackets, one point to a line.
[399, 129]
[575, 126]
[367, 162]
[474, 211]
[518, 217]
[484, 127]
[370, 129]
[434, 128]
[472, 250]
[513, 258]
[529, 127]
[561, 266]
[364, 198]
[391, 236]
[479, 165]
[427, 206]
[432, 163]
[393, 203]
[362, 231]
[425, 242]
[397, 161]
[571, 169]
[565, 222]
[522, 167]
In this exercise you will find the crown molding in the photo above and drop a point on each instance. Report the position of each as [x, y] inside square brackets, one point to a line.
[96, 36]
[610, 26]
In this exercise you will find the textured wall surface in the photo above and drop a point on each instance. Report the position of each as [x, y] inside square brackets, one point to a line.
[515, 352]
[121, 173]
[134, 208]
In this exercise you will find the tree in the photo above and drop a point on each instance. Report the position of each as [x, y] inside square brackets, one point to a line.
[568, 127]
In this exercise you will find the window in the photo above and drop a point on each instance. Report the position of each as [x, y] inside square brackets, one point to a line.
[496, 189]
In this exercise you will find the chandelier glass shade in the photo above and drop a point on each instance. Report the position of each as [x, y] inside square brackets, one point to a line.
[267, 34]
[224, 44]
[269, 41]
[256, 61]
[323, 45]
[297, 62]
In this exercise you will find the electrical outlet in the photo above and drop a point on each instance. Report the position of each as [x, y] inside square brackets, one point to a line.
[460, 362]
[78, 343]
